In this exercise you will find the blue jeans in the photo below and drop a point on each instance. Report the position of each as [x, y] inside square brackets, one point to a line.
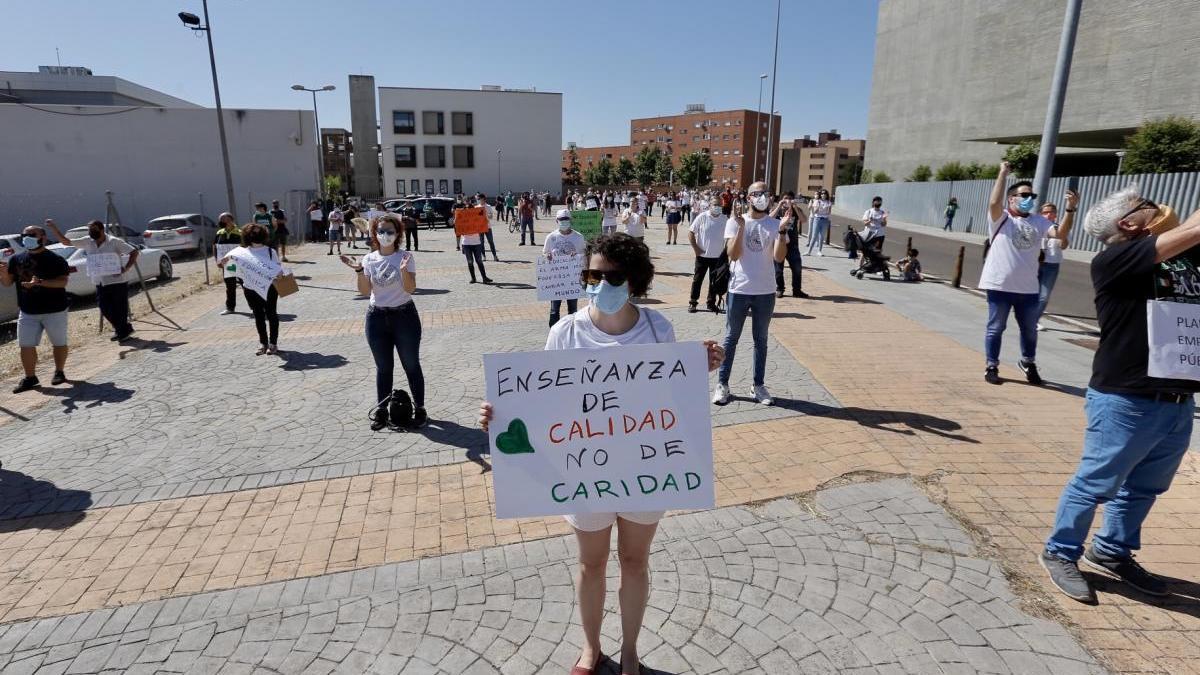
[1024, 305]
[1047, 277]
[391, 331]
[527, 223]
[1131, 450]
[949, 224]
[816, 234]
[474, 255]
[556, 309]
[737, 307]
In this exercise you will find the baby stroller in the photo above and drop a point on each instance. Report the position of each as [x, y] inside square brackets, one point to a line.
[872, 260]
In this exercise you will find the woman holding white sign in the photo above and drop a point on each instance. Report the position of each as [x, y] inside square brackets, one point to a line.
[255, 257]
[616, 268]
[563, 243]
[389, 276]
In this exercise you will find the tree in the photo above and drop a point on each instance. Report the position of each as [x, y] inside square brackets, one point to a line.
[572, 174]
[664, 168]
[953, 171]
[646, 165]
[1168, 145]
[1023, 158]
[333, 185]
[880, 177]
[920, 174]
[867, 176]
[600, 174]
[988, 171]
[848, 173]
[624, 172]
[695, 169]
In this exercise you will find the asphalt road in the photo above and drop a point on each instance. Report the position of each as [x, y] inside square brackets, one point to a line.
[1072, 296]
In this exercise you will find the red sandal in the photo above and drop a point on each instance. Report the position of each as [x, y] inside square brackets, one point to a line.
[580, 670]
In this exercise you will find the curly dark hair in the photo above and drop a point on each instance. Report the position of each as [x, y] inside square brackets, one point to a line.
[254, 233]
[627, 254]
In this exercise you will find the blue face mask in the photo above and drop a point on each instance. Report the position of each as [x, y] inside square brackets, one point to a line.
[30, 242]
[607, 298]
[1026, 205]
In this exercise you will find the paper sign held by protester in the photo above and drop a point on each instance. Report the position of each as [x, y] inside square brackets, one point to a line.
[1173, 329]
[470, 221]
[586, 223]
[224, 250]
[601, 430]
[256, 274]
[558, 279]
[103, 265]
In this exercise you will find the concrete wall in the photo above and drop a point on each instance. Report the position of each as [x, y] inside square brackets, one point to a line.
[527, 127]
[155, 160]
[950, 70]
[364, 127]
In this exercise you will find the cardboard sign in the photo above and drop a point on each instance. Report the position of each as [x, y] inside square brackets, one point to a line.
[1173, 331]
[470, 221]
[587, 223]
[256, 274]
[601, 430]
[224, 250]
[558, 279]
[101, 265]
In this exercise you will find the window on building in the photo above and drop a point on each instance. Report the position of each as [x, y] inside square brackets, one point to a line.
[462, 123]
[458, 186]
[737, 152]
[404, 122]
[432, 122]
[399, 186]
[443, 186]
[817, 155]
[406, 156]
[816, 177]
[733, 167]
[435, 156]
[416, 186]
[735, 136]
[817, 167]
[429, 186]
[464, 157]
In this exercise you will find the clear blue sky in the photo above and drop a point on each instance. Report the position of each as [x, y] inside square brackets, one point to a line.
[612, 60]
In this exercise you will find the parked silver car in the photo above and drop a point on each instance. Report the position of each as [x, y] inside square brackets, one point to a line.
[180, 233]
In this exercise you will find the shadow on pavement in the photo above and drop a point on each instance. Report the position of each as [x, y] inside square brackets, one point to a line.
[790, 315]
[1064, 388]
[845, 300]
[513, 286]
[451, 433]
[285, 318]
[1184, 595]
[311, 360]
[877, 419]
[431, 291]
[21, 494]
[136, 344]
[92, 395]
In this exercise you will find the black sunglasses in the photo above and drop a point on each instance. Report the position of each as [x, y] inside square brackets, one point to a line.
[1026, 195]
[593, 277]
[1142, 205]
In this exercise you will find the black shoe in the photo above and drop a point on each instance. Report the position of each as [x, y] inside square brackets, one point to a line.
[473, 281]
[330, 253]
[691, 308]
[420, 417]
[487, 280]
[379, 419]
[495, 258]
[124, 336]
[1066, 577]
[59, 378]
[779, 294]
[1030, 370]
[992, 375]
[800, 294]
[26, 384]
[1127, 570]
[521, 244]
[712, 307]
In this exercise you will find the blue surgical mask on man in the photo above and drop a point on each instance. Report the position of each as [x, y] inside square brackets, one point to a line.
[30, 242]
[1026, 205]
[607, 298]
[564, 225]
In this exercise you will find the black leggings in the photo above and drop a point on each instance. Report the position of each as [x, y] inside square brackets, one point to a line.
[392, 331]
[411, 237]
[264, 312]
[230, 293]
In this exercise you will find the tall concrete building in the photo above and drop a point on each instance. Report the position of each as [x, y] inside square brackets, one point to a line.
[337, 151]
[806, 165]
[960, 79]
[364, 127]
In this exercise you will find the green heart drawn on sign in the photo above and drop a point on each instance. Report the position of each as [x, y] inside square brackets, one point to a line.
[515, 441]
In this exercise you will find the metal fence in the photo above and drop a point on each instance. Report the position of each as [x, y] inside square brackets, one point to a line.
[925, 203]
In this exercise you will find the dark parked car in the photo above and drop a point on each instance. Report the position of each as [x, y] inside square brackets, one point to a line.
[431, 211]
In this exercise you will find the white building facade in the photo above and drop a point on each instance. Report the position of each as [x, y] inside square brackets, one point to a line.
[451, 141]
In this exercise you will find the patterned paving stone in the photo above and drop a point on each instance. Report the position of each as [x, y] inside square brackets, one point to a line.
[771, 589]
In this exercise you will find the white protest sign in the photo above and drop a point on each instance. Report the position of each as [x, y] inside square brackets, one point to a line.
[256, 274]
[558, 279]
[224, 250]
[1173, 332]
[601, 430]
[103, 265]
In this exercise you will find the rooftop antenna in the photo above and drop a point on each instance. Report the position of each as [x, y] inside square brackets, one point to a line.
[58, 56]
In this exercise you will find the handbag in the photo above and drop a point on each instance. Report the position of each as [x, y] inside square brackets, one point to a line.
[285, 285]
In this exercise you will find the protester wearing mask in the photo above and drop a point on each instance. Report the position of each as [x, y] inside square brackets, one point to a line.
[256, 242]
[617, 268]
[40, 276]
[634, 221]
[818, 229]
[875, 221]
[608, 225]
[228, 234]
[1010, 272]
[281, 229]
[951, 209]
[754, 245]
[336, 217]
[525, 214]
[707, 237]
[1140, 400]
[389, 277]
[1057, 239]
[795, 217]
[563, 242]
[112, 292]
[472, 244]
[488, 233]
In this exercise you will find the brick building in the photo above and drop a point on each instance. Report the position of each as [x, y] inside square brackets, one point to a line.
[806, 165]
[337, 148]
[728, 136]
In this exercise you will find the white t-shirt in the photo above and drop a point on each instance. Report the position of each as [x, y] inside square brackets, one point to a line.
[560, 244]
[316, 215]
[642, 202]
[875, 226]
[111, 245]
[710, 234]
[335, 219]
[387, 283]
[576, 331]
[821, 207]
[754, 272]
[672, 205]
[1053, 247]
[685, 199]
[636, 225]
[1012, 260]
[472, 239]
[610, 216]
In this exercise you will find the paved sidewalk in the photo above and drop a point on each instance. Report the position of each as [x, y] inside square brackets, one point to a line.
[185, 470]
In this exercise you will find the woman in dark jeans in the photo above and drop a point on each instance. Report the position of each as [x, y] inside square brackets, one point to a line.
[389, 276]
[255, 242]
[228, 234]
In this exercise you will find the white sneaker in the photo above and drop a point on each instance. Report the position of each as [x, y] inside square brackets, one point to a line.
[1041, 328]
[761, 395]
[820, 254]
[225, 311]
[721, 394]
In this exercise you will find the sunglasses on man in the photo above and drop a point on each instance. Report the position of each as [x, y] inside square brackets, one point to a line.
[1141, 206]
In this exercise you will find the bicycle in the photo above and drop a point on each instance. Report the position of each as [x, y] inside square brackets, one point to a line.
[513, 226]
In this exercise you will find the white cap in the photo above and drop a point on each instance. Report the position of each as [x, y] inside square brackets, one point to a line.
[563, 214]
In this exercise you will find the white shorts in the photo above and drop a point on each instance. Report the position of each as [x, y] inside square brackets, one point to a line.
[30, 327]
[594, 522]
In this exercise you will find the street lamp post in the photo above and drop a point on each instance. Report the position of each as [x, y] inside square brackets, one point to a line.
[499, 182]
[774, 74]
[192, 21]
[317, 124]
[1058, 93]
[1120, 161]
[757, 126]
